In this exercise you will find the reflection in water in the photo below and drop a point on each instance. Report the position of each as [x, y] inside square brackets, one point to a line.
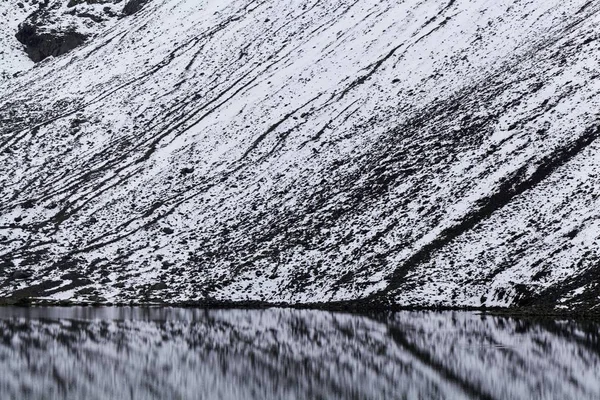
[84, 353]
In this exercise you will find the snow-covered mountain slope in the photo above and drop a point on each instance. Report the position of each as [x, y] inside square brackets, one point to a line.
[422, 153]
[12, 57]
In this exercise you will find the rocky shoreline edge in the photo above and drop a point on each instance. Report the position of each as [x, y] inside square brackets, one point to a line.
[354, 307]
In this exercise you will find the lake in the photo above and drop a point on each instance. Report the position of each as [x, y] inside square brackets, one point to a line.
[168, 353]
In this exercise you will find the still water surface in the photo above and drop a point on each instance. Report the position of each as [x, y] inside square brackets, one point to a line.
[136, 353]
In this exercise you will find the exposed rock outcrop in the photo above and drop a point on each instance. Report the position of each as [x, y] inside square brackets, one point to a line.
[41, 44]
[133, 6]
[58, 26]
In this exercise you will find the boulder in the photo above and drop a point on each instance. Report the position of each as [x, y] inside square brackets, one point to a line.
[133, 6]
[40, 45]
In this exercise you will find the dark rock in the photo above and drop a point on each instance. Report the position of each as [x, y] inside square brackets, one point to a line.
[572, 234]
[21, 274]
[540, 275]
[109, 12]
[6, 264]
[78, 121]
[97, 299]
[71, 276]
[187, 170]
[86, 291]
[158, 286]
[28, 204]
[73, 3]
[67, 263]
[524, 295]
[133, 6]
[40, 45]
[168, 230]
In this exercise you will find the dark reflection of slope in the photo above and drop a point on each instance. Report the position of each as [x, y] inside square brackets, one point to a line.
[283, 354]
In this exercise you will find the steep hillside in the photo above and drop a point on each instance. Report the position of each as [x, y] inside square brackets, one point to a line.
[413, 153]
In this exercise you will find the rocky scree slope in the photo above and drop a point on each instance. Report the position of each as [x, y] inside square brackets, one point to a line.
[417, 153]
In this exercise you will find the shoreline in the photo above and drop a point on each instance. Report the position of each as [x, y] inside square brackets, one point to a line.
[352, 307]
